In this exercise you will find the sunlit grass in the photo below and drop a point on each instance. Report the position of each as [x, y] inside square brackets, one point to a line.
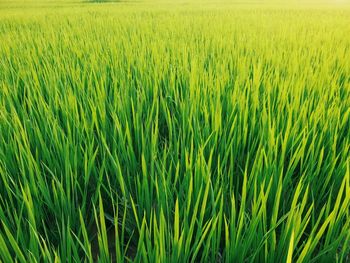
[198, 133]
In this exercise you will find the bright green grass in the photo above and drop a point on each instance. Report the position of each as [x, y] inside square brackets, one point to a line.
[150, 132]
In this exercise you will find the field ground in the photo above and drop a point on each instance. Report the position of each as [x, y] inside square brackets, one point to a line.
[174, 132]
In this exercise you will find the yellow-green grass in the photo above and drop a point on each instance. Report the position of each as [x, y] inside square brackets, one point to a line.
[174, 132]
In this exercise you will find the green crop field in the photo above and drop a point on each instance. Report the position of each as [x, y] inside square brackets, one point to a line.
[196, 131]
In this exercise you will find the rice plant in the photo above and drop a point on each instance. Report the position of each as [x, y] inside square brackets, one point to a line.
[148, 132]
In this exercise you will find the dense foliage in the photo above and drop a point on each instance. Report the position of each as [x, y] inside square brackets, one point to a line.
[174, 133]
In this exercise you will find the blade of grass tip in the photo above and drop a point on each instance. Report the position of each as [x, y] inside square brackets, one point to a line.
[135, 213]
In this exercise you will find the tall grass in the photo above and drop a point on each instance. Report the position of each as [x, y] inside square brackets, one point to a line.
[192, 135]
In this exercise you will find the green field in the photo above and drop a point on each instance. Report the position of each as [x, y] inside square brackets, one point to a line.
[174, 132]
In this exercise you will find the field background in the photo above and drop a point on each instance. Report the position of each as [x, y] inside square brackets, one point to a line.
[149, 131]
